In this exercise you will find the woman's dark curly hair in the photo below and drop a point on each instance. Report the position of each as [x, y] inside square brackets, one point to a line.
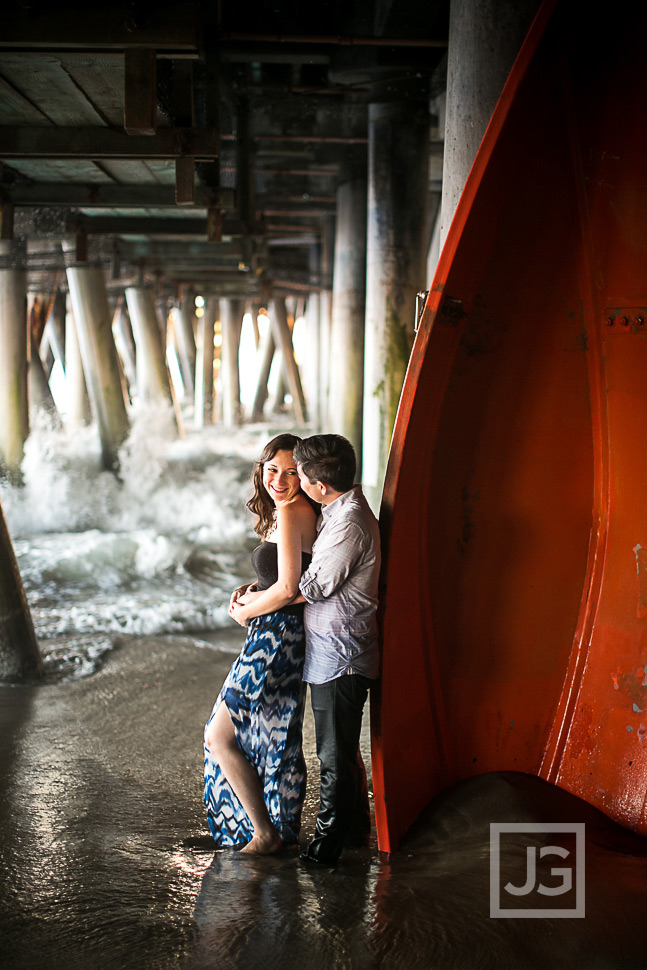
[261, 504]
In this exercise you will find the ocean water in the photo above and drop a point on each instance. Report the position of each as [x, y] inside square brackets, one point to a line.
[156, 550]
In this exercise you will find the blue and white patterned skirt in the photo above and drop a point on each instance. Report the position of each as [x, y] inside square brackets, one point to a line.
[265, 696]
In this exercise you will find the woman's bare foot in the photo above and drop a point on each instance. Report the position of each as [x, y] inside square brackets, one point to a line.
[264, 845]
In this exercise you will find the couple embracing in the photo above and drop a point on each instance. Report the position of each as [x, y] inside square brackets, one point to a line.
[310, 618]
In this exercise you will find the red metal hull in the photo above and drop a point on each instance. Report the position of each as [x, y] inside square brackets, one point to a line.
[514, 513]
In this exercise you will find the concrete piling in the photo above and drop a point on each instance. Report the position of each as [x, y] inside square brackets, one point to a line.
[78, 412]
[231, 318]
[283, 339]
[397, 243]
[40, 393]
[14, 405]
[182, 323]
[204, 363]
[20, 657]
[484, 39]
[125, 344]
[153, 382]
[93, 320]
[348, 311]
[266, 351]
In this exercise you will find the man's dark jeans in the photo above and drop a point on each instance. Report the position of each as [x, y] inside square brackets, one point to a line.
[344, 816]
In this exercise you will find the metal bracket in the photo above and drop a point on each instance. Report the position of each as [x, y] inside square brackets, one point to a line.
[421, 299]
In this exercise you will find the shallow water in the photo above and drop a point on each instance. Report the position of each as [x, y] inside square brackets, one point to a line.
[105, 861]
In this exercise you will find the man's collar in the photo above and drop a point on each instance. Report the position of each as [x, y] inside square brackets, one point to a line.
[340, 501]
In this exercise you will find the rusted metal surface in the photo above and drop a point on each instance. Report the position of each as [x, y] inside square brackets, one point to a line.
[515, 527]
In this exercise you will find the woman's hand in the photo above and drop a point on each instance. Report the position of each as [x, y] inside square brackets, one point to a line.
[238, 608]
[241, 591]
[237, 612]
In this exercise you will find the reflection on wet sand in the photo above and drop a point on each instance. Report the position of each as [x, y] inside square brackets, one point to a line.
[429, 906]
[105, 862]
[273, 911]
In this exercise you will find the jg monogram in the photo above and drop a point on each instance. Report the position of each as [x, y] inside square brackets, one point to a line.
[574, 869]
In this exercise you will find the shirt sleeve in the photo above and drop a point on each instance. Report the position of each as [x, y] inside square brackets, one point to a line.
[334, 554]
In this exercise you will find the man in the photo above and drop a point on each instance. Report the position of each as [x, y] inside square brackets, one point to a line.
[340, 591]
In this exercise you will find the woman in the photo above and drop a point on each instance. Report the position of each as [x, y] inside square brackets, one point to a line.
[254, 767]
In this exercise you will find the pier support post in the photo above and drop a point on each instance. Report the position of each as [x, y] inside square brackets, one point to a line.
[204, 363]
[153, 384]
[484, 39]
[348, 307]
[265, 352]
[283, 339]
[231, 319]
[397, 242]
[78, 413]
[313, 362]
[19, 654]
[125, 344]
[182, 319]
[325, 317]
[14, 403]
[40, 393]
[312, 366]
[93, 321]
[53, 340]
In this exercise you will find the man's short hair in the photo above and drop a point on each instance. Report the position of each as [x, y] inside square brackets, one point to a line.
[327, 458]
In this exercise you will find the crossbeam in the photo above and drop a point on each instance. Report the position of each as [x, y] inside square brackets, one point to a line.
[99, 142]
[99, 195]
[103, 27]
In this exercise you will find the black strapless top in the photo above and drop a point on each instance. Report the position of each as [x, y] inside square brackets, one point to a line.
[266, 566]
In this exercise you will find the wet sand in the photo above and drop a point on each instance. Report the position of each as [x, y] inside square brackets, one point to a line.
[106, 861]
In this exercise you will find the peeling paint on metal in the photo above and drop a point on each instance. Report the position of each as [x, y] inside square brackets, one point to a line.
[641, 571]
[632, 686]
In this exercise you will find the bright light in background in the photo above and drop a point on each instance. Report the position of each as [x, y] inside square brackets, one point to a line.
[174, 369]
[248, 361]
[199, 311]
[58, 387]
[299, 340]
[199, 302]
[263, 321]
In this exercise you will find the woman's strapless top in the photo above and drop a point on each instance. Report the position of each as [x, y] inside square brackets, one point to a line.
[266, 566]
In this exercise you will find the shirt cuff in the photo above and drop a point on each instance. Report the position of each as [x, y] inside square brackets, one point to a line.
[311, 591]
